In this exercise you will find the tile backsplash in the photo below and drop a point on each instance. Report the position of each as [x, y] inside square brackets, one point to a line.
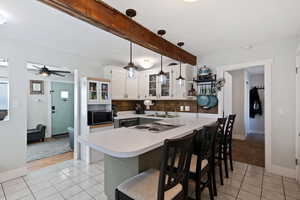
[165, 105]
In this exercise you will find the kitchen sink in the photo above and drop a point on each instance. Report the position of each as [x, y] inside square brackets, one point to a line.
[156, 127]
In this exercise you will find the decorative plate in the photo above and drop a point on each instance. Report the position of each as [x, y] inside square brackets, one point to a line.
[203, 100]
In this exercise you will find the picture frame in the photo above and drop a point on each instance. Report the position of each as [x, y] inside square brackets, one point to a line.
[36, 87]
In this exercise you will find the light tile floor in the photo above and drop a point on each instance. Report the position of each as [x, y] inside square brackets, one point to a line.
[74, 180]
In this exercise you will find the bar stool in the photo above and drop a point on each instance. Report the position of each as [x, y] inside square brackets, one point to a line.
[221, 123]
[204, 151]
[226, 144]
[170, 182]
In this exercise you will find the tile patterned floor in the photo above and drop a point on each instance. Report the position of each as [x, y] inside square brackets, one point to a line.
[74, 180]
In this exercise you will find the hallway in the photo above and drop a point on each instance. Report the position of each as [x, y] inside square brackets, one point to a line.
[251, 150]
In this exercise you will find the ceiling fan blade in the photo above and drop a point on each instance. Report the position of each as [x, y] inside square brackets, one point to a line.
[57, 71]
[57, 74]
[36, 67]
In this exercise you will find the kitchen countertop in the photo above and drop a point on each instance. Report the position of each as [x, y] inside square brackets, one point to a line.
[128, 142]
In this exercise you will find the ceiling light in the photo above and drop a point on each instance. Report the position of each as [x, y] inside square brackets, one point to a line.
[180, 79]
[131, 68]
[146, 64]
[162, 75]
[3, 19]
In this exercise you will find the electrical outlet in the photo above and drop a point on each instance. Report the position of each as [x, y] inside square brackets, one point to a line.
[187, 108]
[181, 108]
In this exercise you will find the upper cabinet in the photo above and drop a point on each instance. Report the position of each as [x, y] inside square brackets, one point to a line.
[98, 91]
[146, 84]
[122, 86]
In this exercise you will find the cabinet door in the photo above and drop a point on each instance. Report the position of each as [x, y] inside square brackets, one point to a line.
[118, 83]
[93, 92]
[142, 85]
[131, 91]
[179, 92]
[104, 88]
[165, 90]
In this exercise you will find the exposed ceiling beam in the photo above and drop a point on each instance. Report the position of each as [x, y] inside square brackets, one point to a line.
[109, 19]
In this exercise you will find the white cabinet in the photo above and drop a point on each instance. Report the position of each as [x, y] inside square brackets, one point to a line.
[151, 84]
[181, 92]
[118, 83]
[165, 90]
[131, 90]
[98, 92]
[142, 85]
[122, 86]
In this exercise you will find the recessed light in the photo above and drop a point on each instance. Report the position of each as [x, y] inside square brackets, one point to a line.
[3, 19]
[190, 0]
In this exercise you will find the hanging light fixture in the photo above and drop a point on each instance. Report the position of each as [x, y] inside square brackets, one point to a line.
[131, 68]
[180, 79]
[162, 75]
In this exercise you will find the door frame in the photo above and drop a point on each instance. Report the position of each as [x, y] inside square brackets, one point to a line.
[297, 135]
[268, 111]
[49, 125]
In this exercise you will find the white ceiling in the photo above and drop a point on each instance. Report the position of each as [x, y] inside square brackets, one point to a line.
[205, 26]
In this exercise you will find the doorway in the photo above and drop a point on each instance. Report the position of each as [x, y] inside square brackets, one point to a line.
[252, 136]
[248, 104]
[50, 114]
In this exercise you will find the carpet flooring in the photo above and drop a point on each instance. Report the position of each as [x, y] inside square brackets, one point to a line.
[36, 151]
[251, 150]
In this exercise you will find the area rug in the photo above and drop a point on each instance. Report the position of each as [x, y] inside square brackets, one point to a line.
[36, 151]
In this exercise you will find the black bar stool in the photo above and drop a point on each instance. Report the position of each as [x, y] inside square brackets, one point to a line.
[171, 182]
[204, 151]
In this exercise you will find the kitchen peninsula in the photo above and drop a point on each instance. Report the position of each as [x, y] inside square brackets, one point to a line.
[129, 151]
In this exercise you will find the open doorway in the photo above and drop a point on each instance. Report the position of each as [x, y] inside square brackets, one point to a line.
[50, 114]
[247, 94]
[248, 103]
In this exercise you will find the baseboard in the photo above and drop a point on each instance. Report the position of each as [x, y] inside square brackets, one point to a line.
[282, 171]
[239, 137]
[12, 174]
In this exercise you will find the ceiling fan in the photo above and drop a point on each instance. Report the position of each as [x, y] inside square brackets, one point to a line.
[44, 71]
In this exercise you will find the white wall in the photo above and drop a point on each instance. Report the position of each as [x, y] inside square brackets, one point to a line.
[256, 125]
[40, 105]
[283, 54]
[238, 80]
[13, 132]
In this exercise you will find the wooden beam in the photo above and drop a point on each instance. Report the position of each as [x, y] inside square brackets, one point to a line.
[109, 19]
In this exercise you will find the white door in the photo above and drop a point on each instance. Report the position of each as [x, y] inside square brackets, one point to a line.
[298, 120]
[118, 84]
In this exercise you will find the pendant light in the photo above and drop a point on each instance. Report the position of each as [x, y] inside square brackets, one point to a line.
[180, 79]
[131, 68]
[162, 75]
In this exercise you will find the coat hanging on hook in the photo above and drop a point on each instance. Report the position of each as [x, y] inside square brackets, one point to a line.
[255, 103]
